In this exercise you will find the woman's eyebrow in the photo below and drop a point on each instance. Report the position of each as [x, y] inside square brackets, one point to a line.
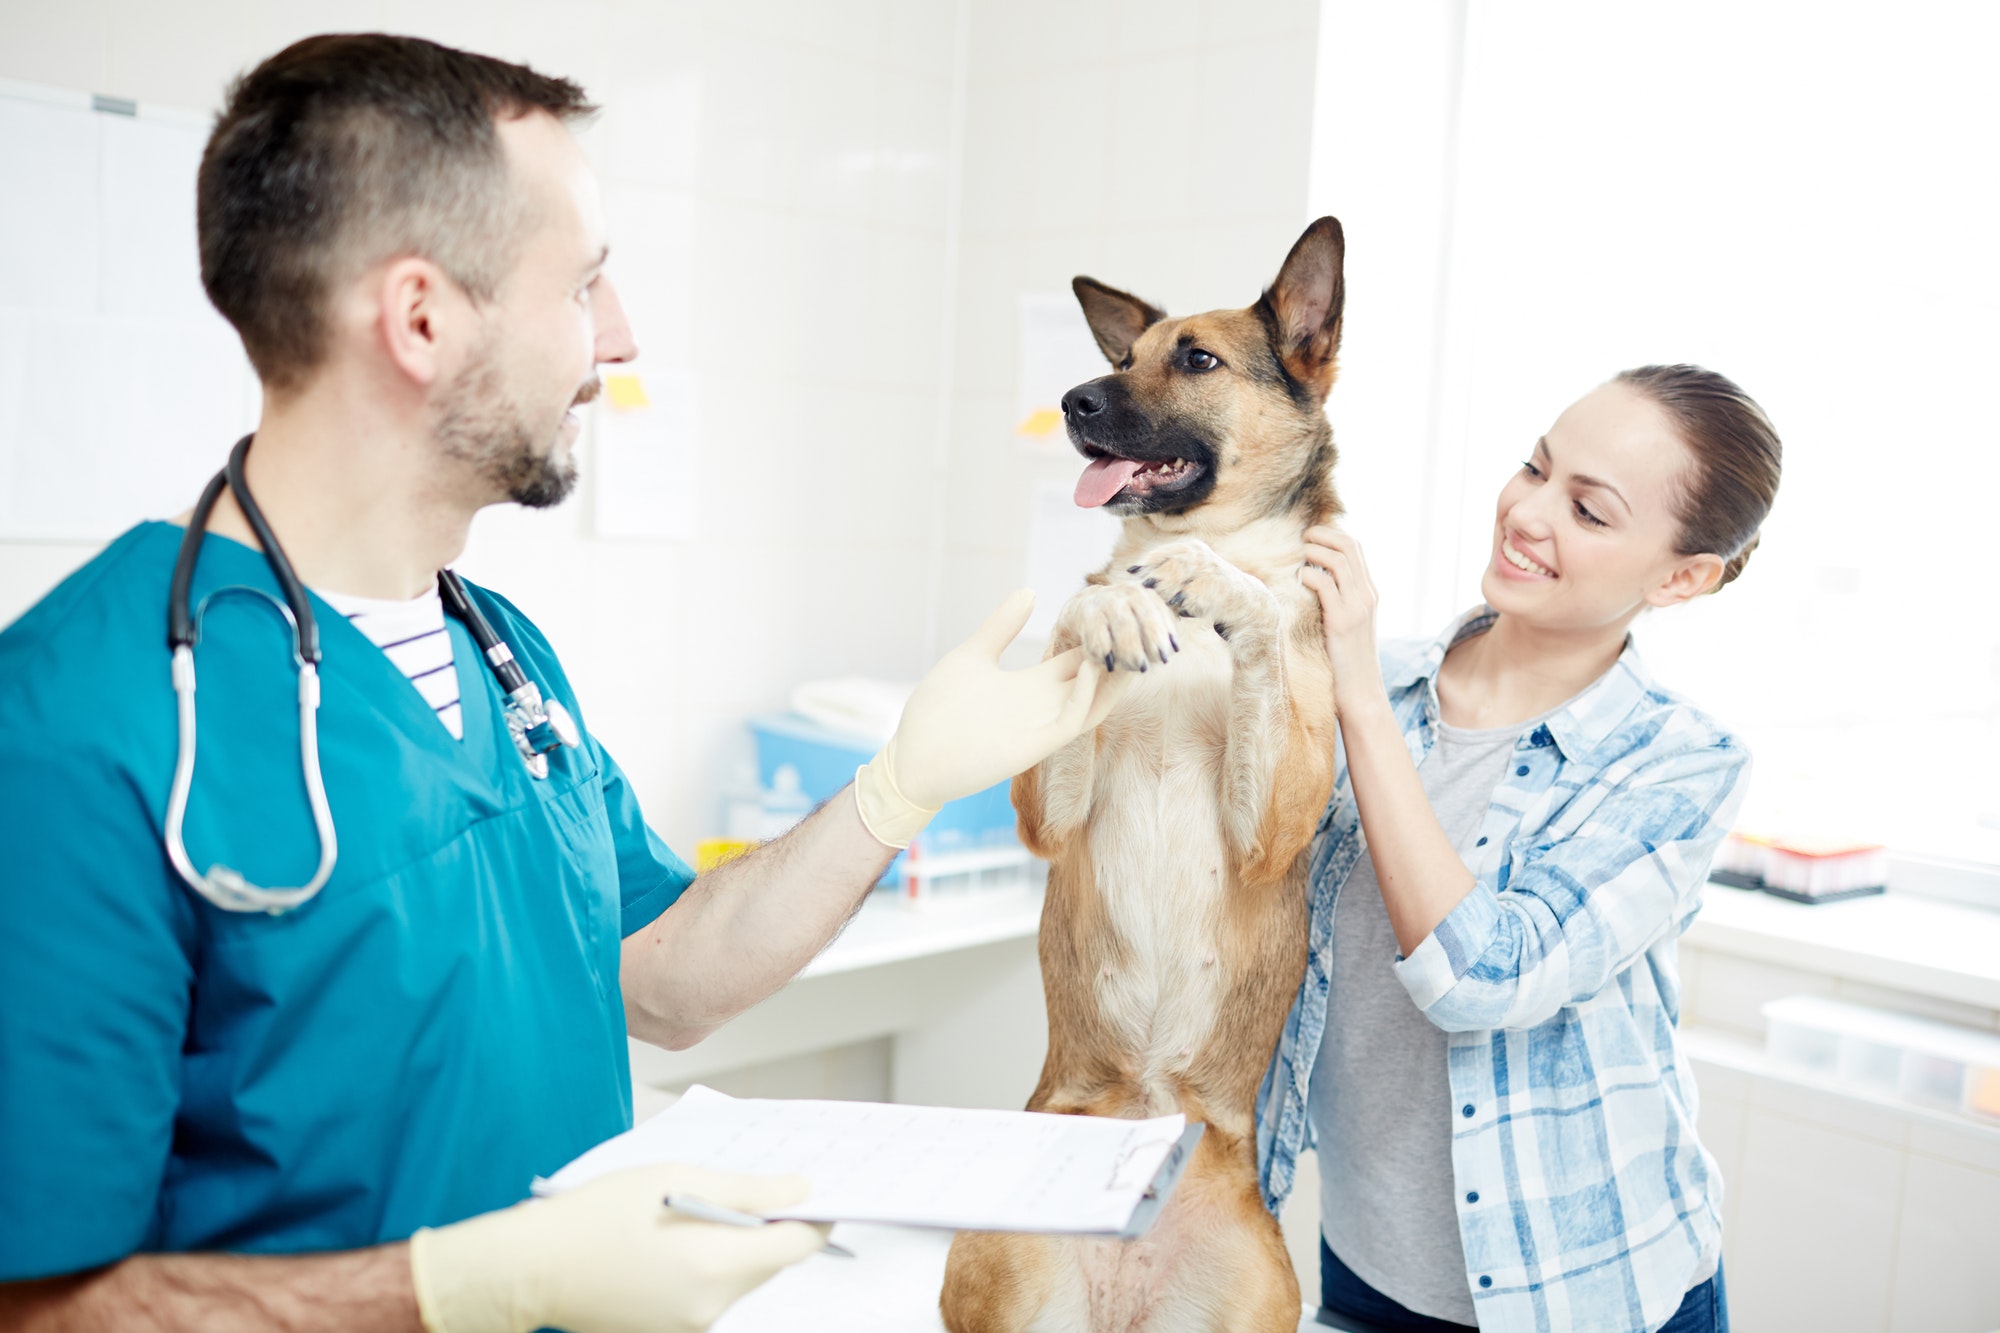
[1597, 483]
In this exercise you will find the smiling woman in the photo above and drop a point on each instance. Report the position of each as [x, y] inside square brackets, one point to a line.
[1520, 827]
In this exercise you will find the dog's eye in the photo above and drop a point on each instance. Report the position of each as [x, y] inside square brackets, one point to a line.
[1126, 364]
[1200, 360]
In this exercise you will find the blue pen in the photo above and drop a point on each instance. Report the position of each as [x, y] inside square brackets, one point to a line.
[703, 1211]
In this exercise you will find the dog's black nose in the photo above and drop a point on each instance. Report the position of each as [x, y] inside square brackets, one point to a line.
[1085, 400]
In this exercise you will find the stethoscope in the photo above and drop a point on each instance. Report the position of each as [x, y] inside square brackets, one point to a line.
[537, 726]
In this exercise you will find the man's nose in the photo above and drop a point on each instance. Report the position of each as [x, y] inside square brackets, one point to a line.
[614, 332]
[1085, 400]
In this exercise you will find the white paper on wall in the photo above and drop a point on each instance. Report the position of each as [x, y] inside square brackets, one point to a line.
[1057, 354]
[646, 455]
[49, 227]
[1065, 542]
[121, 388]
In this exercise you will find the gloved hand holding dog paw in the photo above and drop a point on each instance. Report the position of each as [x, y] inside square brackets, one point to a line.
[971, 724]
[608, 1257]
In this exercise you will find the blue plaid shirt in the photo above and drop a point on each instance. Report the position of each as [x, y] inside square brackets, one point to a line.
[1585, 1201]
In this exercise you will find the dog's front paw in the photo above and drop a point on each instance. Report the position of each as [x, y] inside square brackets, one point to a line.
[1193, 581]
[1121, 625]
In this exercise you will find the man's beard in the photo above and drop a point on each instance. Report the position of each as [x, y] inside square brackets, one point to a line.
[480, 425]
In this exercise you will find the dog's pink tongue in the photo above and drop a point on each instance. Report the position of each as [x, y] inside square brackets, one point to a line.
[1104, 478]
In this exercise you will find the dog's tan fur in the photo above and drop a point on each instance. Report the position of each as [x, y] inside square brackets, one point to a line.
[1174, 934]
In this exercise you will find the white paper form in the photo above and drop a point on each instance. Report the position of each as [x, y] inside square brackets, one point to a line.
[1065, 542]
[49, 226]
[1057, 354]
[644, 452]
[121, 389]
[920, 1166]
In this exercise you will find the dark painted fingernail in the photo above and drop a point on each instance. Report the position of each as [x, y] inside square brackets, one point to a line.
[1150, 583]
[1110, 662]
[1175, 642]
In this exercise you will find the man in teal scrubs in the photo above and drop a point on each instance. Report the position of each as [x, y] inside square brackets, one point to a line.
[212, 1119]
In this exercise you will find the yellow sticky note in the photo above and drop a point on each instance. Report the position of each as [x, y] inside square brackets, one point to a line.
[712, 852]
[625, 392]
[1041, 421]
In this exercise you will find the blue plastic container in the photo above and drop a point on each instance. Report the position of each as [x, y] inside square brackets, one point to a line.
[825, 761]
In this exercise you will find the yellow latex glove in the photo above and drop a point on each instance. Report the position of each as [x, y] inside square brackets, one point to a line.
[970, 724]
[608, 1257]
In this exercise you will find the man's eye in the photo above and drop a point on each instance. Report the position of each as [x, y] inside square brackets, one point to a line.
[1200, 360]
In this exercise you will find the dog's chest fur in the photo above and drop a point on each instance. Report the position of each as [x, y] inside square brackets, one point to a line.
[1157, 848]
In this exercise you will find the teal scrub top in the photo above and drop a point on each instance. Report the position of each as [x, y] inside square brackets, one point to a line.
[414, 1045]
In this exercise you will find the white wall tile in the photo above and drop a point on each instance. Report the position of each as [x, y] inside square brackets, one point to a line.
[1152, 27]
[918, 36]
[64, 44]
[1734, 991]
[1816, 1223]
[1251, 127]
[912, 149]
[1948, 1253]
[1959, 1142]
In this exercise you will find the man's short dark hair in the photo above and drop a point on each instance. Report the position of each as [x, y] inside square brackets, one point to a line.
[345, 150]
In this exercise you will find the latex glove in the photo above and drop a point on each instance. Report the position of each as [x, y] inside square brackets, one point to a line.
[970, 724]
[607, 1257]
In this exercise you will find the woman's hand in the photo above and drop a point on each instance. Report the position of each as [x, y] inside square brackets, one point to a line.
[1336, 570]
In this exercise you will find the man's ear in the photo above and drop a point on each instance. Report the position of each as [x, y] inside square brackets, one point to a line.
[1302, 308]
[415, 305]
[1116, 318]
[1692, 575]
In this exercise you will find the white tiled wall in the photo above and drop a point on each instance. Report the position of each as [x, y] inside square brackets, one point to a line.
[1159, 147]
[781, 179]
[776, 178]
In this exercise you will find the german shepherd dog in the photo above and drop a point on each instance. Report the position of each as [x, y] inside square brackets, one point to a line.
[1174, 932]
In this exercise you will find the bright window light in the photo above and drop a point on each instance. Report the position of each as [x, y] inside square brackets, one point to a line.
[1803, 197]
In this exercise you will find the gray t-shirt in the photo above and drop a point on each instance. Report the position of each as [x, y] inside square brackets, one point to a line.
[1380, 1102]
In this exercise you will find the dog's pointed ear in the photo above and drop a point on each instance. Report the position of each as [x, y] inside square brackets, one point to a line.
[1116, 318]
[1302, 308]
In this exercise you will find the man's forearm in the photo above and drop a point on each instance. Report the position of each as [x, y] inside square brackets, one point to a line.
[364, 1290]
[746, 928]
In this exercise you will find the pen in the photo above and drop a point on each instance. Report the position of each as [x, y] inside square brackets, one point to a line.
[703, 1211]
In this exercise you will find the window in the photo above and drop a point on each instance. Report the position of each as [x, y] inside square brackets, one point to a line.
[1802, 197]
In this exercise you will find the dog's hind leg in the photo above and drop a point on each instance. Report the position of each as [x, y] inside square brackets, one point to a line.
[996, 1282]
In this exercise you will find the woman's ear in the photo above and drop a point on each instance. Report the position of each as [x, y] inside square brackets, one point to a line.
[1689, 578]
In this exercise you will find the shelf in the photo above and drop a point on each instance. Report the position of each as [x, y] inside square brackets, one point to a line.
[1897, 940]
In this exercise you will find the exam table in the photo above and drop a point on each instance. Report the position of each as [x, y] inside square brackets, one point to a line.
[890, 1286]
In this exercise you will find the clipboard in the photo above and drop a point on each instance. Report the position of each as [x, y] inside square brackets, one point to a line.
[1154, 1201]
[943, 1168]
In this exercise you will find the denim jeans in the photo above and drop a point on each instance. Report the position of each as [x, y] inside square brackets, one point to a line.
[1346, 1302]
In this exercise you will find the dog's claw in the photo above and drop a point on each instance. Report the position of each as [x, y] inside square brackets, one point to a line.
[1135, 569]
[1150, 583]
[1186, 614]
[1163, 654]
[1177, 598]
[1175, 642]
[1221, 630]
[1110, 662]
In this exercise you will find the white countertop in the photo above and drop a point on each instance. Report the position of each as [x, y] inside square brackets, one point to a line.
[1901, 940]
[890, 1286]
[887, 930]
